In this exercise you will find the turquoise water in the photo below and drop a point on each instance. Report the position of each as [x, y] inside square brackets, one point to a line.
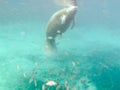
[88, 56]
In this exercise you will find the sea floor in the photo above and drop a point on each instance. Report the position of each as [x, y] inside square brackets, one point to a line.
[85, 60]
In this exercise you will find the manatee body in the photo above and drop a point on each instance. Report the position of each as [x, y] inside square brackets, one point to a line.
[58, 24]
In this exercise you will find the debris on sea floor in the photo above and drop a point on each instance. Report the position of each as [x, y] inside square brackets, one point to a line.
[51, 83]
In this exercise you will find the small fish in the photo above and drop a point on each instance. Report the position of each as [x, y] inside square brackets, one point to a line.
[58, 87]
[18, 67]
[36, 64]
[25, 75]
[74, 88]
[104, 65]
[35, 83]
[43, 87]
[31, 79]
[73, 63]
[66, 85]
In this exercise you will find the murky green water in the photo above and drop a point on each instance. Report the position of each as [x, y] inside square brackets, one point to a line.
[88, 56]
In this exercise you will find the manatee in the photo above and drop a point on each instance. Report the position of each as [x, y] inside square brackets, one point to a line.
[57, 25]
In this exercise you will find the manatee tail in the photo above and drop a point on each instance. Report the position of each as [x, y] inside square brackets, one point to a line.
[50, 47]
[66, 2]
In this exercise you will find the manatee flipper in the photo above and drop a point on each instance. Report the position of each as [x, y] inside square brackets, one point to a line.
[73, 23]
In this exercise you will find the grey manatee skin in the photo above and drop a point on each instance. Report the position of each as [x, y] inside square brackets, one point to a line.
[55, 24]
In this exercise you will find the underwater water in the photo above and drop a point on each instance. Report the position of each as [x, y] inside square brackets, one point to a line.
[88, 55]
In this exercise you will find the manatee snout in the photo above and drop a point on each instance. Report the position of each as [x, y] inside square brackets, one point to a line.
[72, 10]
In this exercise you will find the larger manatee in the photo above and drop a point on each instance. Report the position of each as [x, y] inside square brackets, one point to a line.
[58, 24]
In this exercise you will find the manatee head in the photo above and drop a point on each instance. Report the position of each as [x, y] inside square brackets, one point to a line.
[71, 10]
